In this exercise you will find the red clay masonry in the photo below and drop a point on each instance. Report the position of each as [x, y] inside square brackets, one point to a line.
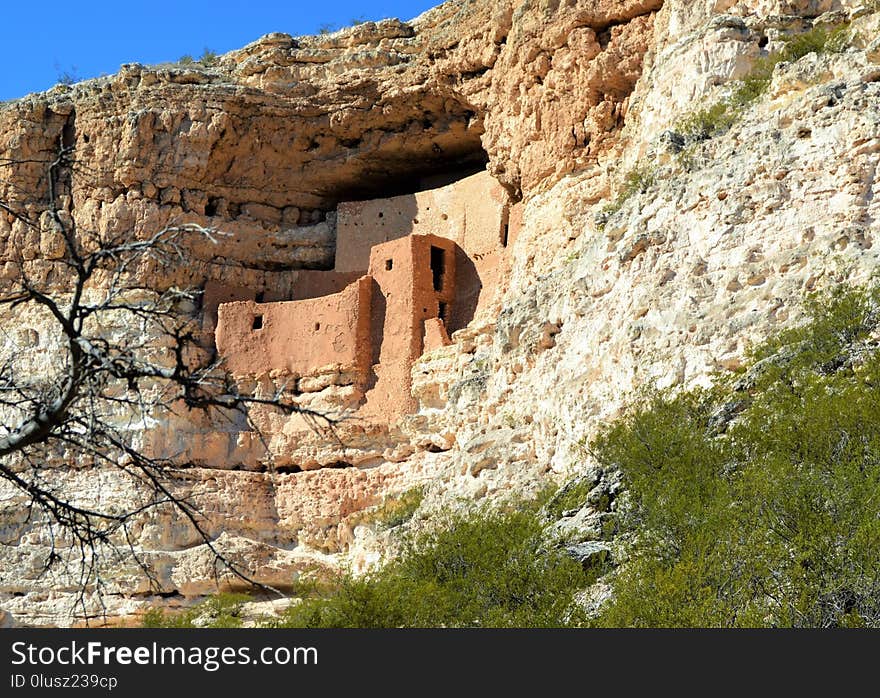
[409, 271]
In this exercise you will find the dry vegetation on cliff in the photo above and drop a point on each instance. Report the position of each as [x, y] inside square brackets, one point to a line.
[752, 147]
[755, 503]
[484, 568]
[752, 504]
[716, 119]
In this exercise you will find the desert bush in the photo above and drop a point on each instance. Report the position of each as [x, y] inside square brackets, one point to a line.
[571, 496]
[716, 119]
[221, 611]
[206, 60]
[396, 511]
[636, 181]
[706, 123]
[483, 569]
[208, 57]
[773, 520]
[819, 40]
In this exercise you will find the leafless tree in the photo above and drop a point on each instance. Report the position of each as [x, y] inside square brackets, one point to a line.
[127, 353]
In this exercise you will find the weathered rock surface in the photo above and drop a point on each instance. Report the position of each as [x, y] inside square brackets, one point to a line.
[561, 97]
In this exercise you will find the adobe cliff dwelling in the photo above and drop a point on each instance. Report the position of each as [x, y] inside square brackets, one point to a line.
[637, 263]
[409, 271]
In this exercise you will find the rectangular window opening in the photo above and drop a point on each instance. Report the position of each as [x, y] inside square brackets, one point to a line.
[389, 264]
[505, 226]
[438, 266]
[258, 322]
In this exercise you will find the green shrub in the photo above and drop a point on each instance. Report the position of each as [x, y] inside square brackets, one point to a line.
[818, 40]
[487, 569]
[772, 519]
[221, 611]
[208, 57]
[637, 181]
[206, 60]
[716, 119]
[398, 510]
[707, 123]
[571, 496]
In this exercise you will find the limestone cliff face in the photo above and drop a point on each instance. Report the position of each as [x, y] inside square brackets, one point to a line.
[560, 98]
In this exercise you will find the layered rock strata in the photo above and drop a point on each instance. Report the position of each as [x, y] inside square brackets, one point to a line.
[558, 99]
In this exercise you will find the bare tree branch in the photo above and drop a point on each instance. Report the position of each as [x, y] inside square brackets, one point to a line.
[126, 353]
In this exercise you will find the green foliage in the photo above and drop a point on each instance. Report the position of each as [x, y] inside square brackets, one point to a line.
[841, 319]
[707, 123]
[571, 496]
[487, 569]
[208, 57]
[818, 40]
[398, 510]
[716, 119]
[221, 611]
[206, 60]
[637, 181]
[769, 516]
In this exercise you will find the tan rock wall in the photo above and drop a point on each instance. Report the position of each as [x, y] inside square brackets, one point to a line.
[715, 255]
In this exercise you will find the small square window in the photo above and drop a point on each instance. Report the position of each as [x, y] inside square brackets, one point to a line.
[389, 264]
[258, 322]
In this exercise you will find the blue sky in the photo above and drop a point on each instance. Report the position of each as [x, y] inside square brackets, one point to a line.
[44, 39]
